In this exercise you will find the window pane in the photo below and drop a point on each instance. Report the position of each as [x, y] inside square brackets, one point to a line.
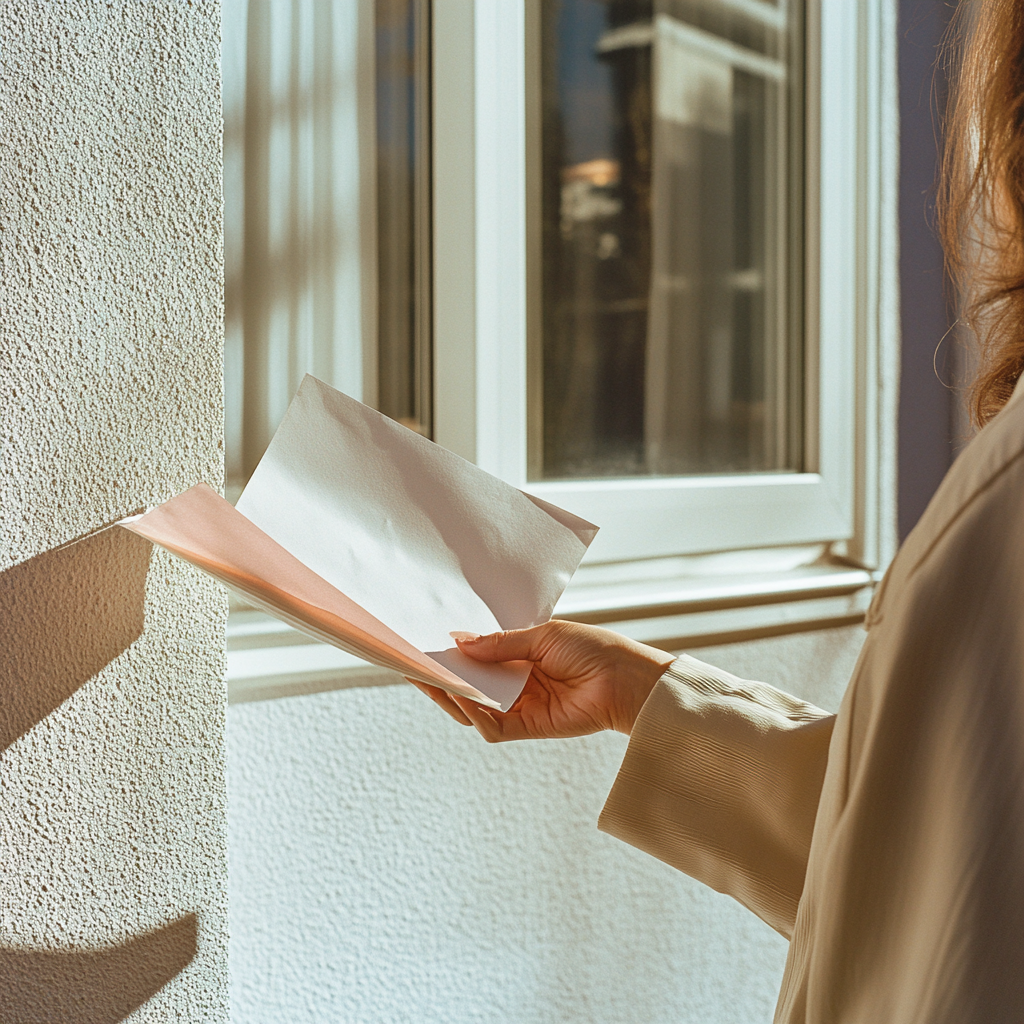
[671, 237]
[403, 211]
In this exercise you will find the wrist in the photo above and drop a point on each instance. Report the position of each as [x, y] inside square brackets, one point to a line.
[642, 667]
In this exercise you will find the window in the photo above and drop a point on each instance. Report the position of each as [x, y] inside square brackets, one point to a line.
[327, 211]
[660, 311]
[671, 193]
[843, 253]
[404, 257]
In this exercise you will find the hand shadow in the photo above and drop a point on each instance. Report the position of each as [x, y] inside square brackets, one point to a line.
[65, 615]
[95, 986]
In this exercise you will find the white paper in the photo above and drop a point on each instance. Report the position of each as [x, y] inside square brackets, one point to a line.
[420, 539]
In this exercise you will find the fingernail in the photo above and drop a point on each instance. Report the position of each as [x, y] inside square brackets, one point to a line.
[464, 638]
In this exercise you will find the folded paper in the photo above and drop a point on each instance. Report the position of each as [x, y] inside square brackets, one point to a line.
[359, 532]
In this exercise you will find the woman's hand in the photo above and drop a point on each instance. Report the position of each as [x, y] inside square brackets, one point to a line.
[584, 679]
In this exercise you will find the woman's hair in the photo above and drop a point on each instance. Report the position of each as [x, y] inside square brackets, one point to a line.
[980, 203]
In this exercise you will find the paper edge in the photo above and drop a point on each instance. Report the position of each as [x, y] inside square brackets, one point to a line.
[130, 522]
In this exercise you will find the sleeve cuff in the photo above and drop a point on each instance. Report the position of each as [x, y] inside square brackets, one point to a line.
[721, 779]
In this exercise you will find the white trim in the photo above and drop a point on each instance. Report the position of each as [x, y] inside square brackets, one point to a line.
[267, 659]
[656, 517]
[876, 541]
[649, 597]
[839, 255]
[500, 74]
[733, 625]
[480, 209]
[712, 512]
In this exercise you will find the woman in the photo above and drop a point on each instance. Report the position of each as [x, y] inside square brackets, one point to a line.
[887, 842]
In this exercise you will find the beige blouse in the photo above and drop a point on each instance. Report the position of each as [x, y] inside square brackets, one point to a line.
[887, 842]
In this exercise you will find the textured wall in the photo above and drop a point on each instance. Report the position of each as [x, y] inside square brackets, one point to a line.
[112, 838]
[387, 865]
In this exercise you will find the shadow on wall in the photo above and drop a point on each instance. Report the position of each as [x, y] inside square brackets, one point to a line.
[64, 616]
[289, 105]
[94, 987]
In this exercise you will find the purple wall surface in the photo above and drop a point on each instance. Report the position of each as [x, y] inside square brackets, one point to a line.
[927, 412]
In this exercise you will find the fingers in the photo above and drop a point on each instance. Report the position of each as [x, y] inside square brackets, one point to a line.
[510, 645]
[468, 712]
[442, 700]
[494, 727]
[488, 724]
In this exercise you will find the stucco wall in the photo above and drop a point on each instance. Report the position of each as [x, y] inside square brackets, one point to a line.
[387, 865]
[112, 838]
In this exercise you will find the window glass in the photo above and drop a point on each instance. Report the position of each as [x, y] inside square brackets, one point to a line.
[671, 239]
[404, 211]
[292, 227]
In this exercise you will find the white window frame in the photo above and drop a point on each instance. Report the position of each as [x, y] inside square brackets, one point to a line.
[682, 561]
[481, 302]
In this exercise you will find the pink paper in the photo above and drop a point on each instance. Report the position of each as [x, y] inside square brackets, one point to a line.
[361, 533]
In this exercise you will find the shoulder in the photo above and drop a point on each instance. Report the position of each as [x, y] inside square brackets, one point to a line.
[979, 506]
[983, 474]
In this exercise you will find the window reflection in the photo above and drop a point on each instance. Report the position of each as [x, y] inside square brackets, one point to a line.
[294, 231]
[403, 100]
[670, 164]
[320, 174]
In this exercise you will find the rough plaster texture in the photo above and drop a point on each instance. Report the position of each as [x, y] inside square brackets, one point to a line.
[112, 830]
[387, 865]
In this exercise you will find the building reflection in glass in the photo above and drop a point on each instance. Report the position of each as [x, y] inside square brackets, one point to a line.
[671, 163]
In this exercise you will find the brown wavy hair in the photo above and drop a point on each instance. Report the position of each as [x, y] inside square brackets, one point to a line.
[980, 201]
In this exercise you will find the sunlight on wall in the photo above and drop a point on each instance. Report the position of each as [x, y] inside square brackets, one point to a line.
[386, 865]
[112, 842]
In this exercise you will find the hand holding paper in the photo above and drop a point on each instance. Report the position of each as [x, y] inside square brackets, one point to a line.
[584, 679]
[361, 533]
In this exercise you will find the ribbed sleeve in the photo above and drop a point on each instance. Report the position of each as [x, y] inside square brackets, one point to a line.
[721, 780]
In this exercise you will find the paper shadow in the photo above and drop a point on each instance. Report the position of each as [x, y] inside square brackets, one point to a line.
[96, 986]
[65, 615]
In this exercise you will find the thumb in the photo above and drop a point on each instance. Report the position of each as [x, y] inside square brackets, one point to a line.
[509, 645]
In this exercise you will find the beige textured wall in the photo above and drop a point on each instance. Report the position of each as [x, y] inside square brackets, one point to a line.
[112, 800]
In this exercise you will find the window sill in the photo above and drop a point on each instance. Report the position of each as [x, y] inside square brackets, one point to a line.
[669, 603]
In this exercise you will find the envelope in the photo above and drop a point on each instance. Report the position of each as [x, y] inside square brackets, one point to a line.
[361, 533]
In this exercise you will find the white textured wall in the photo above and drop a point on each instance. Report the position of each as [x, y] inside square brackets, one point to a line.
[387, 865]
[112, 837]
